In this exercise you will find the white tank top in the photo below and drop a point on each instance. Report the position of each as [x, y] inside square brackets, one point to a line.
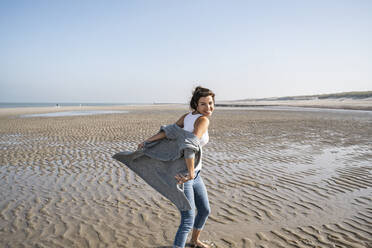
[188, 125]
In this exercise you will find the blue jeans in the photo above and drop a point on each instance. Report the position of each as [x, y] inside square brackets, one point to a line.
[196, 193]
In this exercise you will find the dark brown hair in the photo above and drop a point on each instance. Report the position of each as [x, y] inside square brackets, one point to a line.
[197, 94]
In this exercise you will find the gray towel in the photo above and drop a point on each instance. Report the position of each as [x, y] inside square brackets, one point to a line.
[160, 161]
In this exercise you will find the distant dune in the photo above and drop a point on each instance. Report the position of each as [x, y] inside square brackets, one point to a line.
[356, 100]
[351, 95]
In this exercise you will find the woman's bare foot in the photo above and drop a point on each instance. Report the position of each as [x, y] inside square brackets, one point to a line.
[198, 244]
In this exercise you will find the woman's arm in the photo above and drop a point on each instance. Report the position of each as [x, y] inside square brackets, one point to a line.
[201, 126]
[157, 136]
[161, 135]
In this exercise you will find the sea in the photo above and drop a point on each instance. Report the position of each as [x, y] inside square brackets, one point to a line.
[66, 113]
[60, 106]
[54, 104]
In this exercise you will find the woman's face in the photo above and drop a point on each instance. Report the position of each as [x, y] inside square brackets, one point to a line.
[205, 105]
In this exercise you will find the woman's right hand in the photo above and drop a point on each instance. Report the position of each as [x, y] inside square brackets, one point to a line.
[140, 145]
[182, 179]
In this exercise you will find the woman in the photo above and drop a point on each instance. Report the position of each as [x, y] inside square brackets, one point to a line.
[202, 105]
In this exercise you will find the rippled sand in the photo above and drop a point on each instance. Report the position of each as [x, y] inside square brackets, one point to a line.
[275, 179]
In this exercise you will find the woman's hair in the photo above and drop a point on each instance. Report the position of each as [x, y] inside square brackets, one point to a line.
[197, 94]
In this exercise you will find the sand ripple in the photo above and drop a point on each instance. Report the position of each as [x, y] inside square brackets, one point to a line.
[275, 179]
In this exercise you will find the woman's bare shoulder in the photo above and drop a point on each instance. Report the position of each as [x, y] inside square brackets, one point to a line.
[201, 126]
[202, 121]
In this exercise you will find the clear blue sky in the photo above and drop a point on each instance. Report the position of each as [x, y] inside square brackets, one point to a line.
[157, 51]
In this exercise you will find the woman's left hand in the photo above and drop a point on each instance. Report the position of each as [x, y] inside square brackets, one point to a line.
[182, 179]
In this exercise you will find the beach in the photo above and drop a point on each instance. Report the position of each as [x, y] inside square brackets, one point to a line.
[275, 178]
[308, 102]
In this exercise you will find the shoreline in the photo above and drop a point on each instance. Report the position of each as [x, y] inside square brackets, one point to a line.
[43, 110]
[252, 105]
[340, 103]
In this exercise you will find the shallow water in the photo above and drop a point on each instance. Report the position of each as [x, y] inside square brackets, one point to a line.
[74, 113]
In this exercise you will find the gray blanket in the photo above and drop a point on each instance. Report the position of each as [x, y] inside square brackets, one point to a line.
[160, 161]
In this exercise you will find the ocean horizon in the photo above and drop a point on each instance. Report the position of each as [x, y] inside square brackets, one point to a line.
[63, 104]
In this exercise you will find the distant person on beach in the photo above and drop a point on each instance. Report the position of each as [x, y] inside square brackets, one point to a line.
[196, 121]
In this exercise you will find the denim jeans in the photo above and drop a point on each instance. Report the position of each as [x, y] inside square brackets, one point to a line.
[196, 193]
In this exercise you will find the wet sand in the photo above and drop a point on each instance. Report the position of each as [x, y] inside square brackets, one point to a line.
[275, 178]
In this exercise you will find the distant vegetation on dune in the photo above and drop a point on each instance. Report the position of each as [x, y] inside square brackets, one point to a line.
[352, 95]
